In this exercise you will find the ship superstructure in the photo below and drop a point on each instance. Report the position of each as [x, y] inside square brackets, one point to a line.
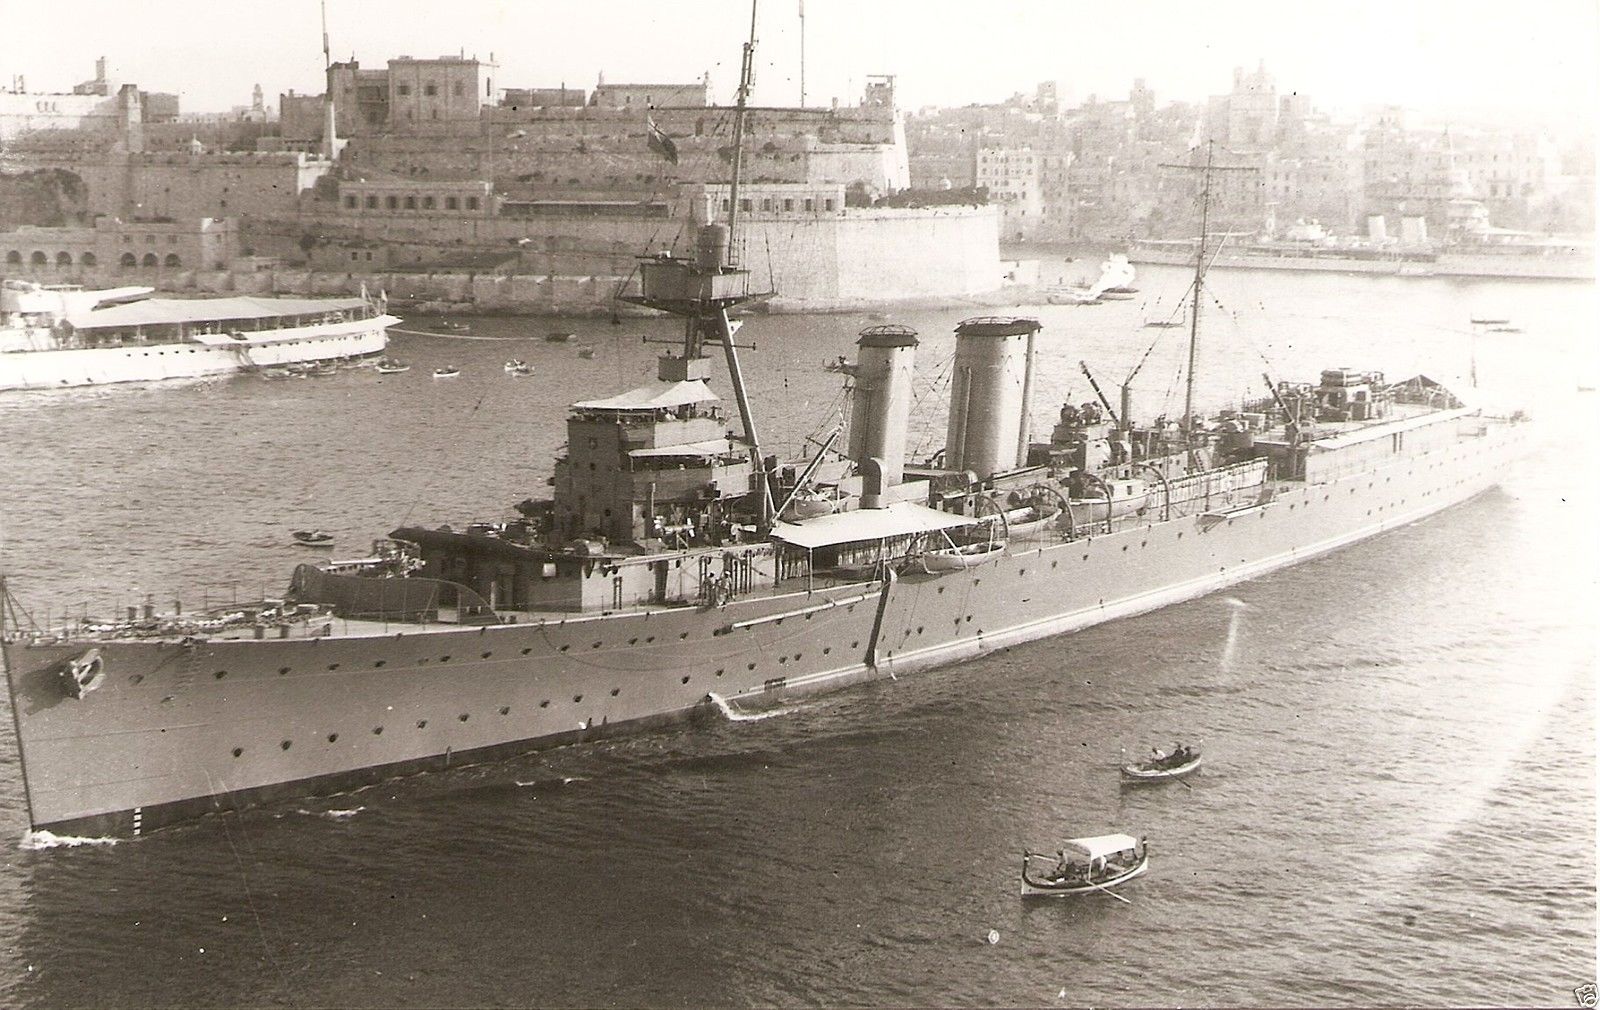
[56, 336]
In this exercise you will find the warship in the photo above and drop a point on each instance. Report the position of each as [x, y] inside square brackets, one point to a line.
[677, 568]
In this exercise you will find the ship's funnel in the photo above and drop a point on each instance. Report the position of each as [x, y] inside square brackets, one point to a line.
[711, 247]
[880, 399]
[989, 394]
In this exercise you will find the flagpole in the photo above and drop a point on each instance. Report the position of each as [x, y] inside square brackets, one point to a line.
[802, 53]
[738, 140]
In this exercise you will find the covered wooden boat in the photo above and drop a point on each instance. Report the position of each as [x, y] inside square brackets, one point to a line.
[313, 538]
[1179, 764]
[1027, 521]
[951, 559]
[1084, 866]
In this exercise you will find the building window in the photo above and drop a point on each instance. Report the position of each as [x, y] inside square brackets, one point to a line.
[427, 203]
[173, 260]
[827, 204]
[402, 89]
[725, 204]
[430, 90]
[745, 205]
[13, 257]
[451, 203]
[372, 203]
[354, 255]
[39, 259]
[766, 204]
[369, 257]
[788, 205]
[393, 203]
[149, 260]
[350, 202]
[63, 259]
[811, 204]
[149, 240]
[89, 259]
[411, 203]
[472, 203]
[129, 260]
[459, 90]
[172, 240]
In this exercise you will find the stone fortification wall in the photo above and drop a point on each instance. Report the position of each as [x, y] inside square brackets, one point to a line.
[853, 258]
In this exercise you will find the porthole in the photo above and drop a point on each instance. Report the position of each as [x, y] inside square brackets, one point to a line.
[682, 635]
[826, 649]
[487, 655]
[527, 650]
[444, 659]
[719, 672]
[615, 691]
[136, 678]
[333, 738]
[633, 641]
[380, 664]
[684, 680]
[856, 644]
[564, 648]
[238, 751]
[422, 724]
[332, 667]
[286, 744]
[220, 674]
[751, 666]
[577, 698]
[595, 645]
[505, 709]
[545, 703]
[377, 731]
[463, 717]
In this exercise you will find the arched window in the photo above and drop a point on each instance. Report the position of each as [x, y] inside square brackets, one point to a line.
[150, 259]
[13, 257]
[39, 259]
[130, 260]
[63, 259]
[89, 259]
[173, 260]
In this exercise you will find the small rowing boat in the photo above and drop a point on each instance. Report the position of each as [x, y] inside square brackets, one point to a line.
[392, 366]
[1084, 866]
[559, 337]
[313, 538]
[952, 559]
[447, 372]
[516, 366]
[1161, 767]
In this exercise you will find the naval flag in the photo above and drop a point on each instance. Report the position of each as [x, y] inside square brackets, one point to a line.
[660, 142]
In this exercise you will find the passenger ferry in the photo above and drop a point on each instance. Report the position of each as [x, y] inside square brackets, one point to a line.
[59, 336]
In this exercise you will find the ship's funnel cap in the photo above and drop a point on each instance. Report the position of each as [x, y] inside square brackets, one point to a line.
[887, 335]
[998, 326]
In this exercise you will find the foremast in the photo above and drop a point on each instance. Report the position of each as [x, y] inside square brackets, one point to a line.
[705, 288]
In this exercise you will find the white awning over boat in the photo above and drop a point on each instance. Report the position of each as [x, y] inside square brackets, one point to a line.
[158, 311]
[714, 447]
[900, 519]
[1101, 845]
[655, 396]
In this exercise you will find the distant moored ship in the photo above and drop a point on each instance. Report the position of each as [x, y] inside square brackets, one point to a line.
[58, 336]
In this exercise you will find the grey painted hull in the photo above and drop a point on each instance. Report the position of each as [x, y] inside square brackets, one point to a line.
[178, 729]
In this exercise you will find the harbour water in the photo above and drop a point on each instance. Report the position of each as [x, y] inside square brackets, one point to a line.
[1398, 805]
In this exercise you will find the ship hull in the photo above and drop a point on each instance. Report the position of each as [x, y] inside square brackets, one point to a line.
[178, 729]
[56, 369]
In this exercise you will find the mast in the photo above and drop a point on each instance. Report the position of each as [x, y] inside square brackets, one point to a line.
[702, 289]
[802, 53]
[1194, 312]
[330, 138]
[1206, 171]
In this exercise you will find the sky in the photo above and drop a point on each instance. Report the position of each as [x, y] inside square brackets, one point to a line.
[1535, 58]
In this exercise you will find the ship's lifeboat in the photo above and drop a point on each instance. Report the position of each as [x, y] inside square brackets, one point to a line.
[83, 673]
[953, 559]
[1127, 497]
[810, 504]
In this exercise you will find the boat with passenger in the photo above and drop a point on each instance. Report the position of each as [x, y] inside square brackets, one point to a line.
[391, 366]
[446, 372]
[1162, 766]
[1096, 864]
[313, 538]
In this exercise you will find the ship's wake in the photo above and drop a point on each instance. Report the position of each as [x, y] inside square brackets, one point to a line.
[332, 815]
[37, 841]
[734, 715]
[1234, 606]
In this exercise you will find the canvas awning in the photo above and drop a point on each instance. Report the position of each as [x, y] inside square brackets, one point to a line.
[657, 395]
[1100, 846]
[897, 520]
[714, 447]
[167, 311]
